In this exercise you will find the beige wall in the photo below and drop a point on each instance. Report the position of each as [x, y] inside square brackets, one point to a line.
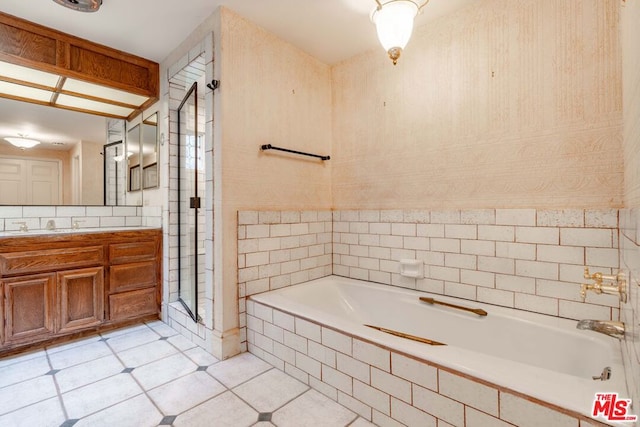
[631, 98]
[92, 174]
[505, 104]
[272, 93]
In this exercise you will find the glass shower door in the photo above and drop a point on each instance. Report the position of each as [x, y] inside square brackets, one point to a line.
[190, 196]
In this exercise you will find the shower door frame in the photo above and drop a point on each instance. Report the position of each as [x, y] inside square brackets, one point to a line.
[194, 204]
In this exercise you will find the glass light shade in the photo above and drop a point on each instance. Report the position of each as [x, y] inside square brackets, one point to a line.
[394, 23]
[22, 142]
[94, 106]
[97, 91]
[26, 74]
[12, 90]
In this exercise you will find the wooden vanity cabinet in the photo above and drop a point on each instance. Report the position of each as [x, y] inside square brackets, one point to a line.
[81, 298]
[29, 305]
[133, 275]
[54, 286]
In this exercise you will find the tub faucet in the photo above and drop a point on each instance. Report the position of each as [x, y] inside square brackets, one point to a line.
[51, 225]
[607, 327]
[604, 284]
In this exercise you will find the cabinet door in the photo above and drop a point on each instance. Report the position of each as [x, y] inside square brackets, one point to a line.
[29, 307]
[81, 298]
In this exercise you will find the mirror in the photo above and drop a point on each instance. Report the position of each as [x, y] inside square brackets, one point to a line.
[149, 149]
[133, 158]
[81, 162]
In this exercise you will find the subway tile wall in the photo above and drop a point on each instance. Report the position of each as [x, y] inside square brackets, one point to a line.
[278, 249]
[630, 312]
[526, 259]
[36, 217]
[387, 387]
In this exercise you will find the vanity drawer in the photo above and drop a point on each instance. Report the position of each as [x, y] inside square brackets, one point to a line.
[133, 304]
[121, 253]
[132, 276]
[50, 259]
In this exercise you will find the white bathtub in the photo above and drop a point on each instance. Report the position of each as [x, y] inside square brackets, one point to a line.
[540, 356]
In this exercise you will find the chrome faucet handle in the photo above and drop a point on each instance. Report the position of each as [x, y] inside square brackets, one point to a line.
[23, 225]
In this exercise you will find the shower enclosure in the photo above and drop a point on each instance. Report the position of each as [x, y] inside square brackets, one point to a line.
[191, 191]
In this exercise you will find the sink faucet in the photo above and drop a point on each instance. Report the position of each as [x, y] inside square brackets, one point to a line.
[607, 327]
[51, 225]
[23, 226]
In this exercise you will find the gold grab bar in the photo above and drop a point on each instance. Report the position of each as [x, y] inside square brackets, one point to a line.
[478, 311]
[407, 336]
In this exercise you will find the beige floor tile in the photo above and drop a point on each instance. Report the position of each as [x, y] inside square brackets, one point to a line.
[146, 353]
[77, 355]
[100, 395]
[135, 412]
[133, 339]
[162, 329]
[184, 393]
[87, 373]
[181, 342]
[124, 331]
[201, 357]
[312, 409]
[10, 360]
[271, 390]
[238, 369]
[164, 370]
[226, 410]
[47, 413]
[72, 344]
[24, 370]
[26, 393]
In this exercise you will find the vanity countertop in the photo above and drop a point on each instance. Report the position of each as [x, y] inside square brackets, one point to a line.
[70, 231]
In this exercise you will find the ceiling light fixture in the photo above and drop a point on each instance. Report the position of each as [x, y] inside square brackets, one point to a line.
[81, 5]
[22, 142]
[394, 23]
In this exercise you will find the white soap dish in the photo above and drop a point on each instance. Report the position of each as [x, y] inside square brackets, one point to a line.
[412, 268]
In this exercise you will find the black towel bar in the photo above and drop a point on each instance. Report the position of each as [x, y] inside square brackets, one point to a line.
[271, 147]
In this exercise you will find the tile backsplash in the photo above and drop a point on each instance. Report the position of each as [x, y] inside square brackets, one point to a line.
[36, 217]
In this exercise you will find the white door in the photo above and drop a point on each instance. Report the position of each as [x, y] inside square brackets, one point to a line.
[43, 182]
[12, 179]
[29, 182]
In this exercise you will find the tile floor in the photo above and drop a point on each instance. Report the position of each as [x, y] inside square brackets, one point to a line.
[148, 375]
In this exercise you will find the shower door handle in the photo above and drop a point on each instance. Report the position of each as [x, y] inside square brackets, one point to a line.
[194, 202]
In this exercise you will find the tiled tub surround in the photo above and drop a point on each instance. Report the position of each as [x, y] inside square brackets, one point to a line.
[521, 258]
[387, 386]
[278, 249]
[36, 217]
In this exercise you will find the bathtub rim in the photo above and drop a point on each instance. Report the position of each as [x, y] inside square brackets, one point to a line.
[556, 399]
